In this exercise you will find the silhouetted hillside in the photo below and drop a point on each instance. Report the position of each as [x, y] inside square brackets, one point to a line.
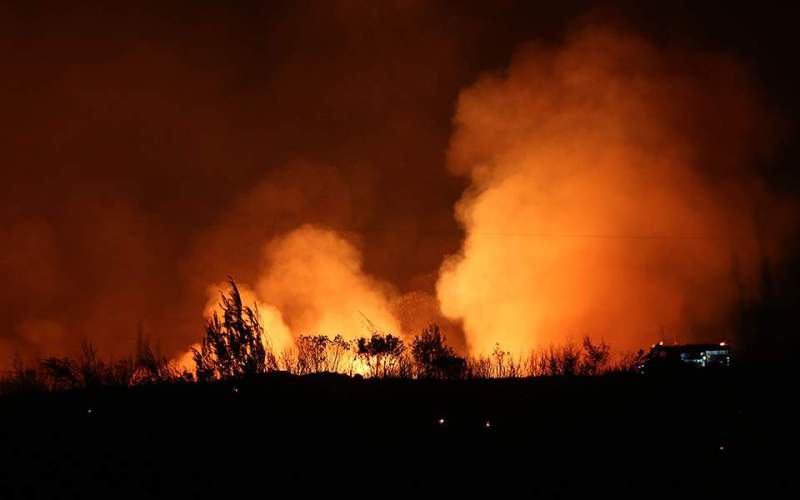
[334, 435]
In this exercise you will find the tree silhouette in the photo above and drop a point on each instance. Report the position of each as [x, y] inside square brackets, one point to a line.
[433, 357]
[89, 371]
[381, 353]
[233, 345]
[595, 357]
[312, 353]
[319, 353]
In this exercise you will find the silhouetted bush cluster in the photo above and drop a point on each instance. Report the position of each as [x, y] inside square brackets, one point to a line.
[88, 371]
[317, 354]
[383, 355]
[434, 358]
[235, 345]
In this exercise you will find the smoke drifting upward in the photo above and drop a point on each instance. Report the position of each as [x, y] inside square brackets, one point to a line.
[315, 279]
[152, 149]
[312, 282]
[612, 194]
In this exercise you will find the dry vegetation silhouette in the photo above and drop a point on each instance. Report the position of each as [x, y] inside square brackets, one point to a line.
[235, 345]
[398, 411]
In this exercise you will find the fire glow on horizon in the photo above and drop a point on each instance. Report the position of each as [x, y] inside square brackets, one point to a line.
[603, 184]
[610, 195]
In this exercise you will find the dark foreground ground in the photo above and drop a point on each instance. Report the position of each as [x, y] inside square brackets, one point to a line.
[707, 435]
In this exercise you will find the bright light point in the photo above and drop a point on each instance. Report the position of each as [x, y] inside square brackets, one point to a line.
[723, 344]
[236, 390]
[89, 411]
[441, 421]
[488, 424]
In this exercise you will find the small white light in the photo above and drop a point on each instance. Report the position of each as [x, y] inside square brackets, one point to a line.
[723, 344]
[488, 424]
[441, 421]
[236, 390]
[89, 411]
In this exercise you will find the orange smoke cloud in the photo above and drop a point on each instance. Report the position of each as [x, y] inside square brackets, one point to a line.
[315, 279]
[312, 282]
[611, 196]
[327, 114]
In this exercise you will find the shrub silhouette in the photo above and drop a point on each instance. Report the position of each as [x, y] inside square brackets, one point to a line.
[554, 361]
[312, 353]
[319, 353]
[21, 379]
[594, 358]
[503, 362]
[498, 364]
[233, 345]
[563, 361]
[62, 373]
[336, 351]
[382, 354]
[89, 371]
[434, 358]
[150, 366]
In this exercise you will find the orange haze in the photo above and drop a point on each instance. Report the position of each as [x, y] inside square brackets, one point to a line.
[312, 282]
[350, 159]
[610, 195]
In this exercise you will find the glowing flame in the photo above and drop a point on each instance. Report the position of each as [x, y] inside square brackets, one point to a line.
[359, 367]
[314, 278]
[185, 362]
[312, 283]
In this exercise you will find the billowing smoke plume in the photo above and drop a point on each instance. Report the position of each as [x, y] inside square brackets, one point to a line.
[151, 150]
[312, 282]
[315, 279]
[611, 195]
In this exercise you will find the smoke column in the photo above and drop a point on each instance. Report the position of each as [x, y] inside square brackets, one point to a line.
[612, 194]
[315, 278]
